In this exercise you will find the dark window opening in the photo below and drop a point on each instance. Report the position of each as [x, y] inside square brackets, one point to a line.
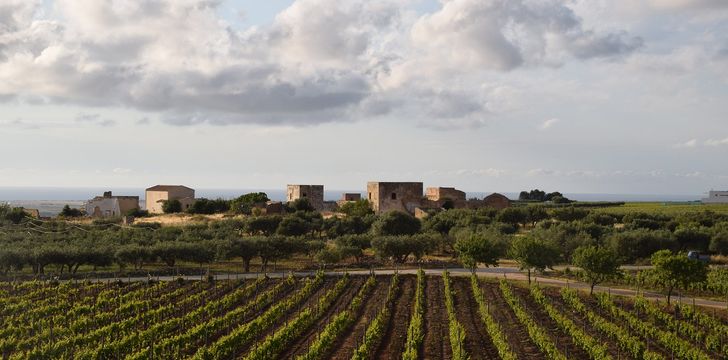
[370, 196]
[304, 195]
[394, 196]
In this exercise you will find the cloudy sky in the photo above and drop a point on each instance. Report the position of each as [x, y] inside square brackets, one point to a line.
[591, 96]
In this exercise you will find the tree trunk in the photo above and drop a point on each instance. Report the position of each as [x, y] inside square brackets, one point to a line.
[529, 276]
[591, 290]
[246, 265]
[669, 293]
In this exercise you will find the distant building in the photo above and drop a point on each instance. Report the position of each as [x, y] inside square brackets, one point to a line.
[390, 196]
[497, 201]
[440, 195]
[351, 197]
[348, 197]
[716, 197]
[313, 193]
[109, 205]
[155, 196]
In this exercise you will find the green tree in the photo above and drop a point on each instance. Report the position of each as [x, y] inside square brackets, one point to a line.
[535, 214]
[513, 215]
[245, 203]
[399, 248]
[692, 238]
[478, 248]
[353, 245]
[359, 208]
[293, 225]
[598, 264]
[15, 215]
[171, 206]
[570, 213]
[675, 271]
[533, 254]
[246, 249]
[396, 223]
[300, 204]
[719, 243]
[207, 206]
[69, 212]
[265, 225]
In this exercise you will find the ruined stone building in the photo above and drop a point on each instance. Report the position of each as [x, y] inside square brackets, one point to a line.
[109, 205]
[389, 196]
[438, 196]
[155, 196]
[348, 197]
[313, 193]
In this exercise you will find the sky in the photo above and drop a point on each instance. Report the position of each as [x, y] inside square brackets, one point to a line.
[579, 96]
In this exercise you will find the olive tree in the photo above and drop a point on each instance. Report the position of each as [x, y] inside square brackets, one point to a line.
[675, 271]
[598, 264]
[533, 254]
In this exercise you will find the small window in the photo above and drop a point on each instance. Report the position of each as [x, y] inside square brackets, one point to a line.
[304, 195]
[394, 196]
[370, 196]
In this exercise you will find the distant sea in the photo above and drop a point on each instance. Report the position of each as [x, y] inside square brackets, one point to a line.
[50, 200]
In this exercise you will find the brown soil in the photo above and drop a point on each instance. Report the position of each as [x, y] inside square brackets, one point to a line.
[563, 341]
[301, 344]
[477, 341]
[309, 302]
[437, 342]
[516, 334]
[345, 346]
[395, 337]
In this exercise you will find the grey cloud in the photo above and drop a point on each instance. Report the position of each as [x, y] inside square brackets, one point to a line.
[94, 119]
[320, 61]
[610, 45]
[506, 34]
[690, 4]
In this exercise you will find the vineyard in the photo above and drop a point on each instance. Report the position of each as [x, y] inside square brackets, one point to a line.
[346, 317]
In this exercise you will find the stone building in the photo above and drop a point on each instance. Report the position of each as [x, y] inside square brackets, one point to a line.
[347, 198]
[437, 196]
[155, 196]
[109, 205]
[314, 194]
[497, 201]
[351, 197]
[389, 196]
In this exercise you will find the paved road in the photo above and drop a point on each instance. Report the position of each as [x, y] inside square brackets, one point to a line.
[510, 273]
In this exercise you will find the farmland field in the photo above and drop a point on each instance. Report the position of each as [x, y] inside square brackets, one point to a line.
[663, 208]
[346, 317]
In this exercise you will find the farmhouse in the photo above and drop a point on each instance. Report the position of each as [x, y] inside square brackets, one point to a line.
[716, 197]
[313, 193]
[109, 205]
[155, 196]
